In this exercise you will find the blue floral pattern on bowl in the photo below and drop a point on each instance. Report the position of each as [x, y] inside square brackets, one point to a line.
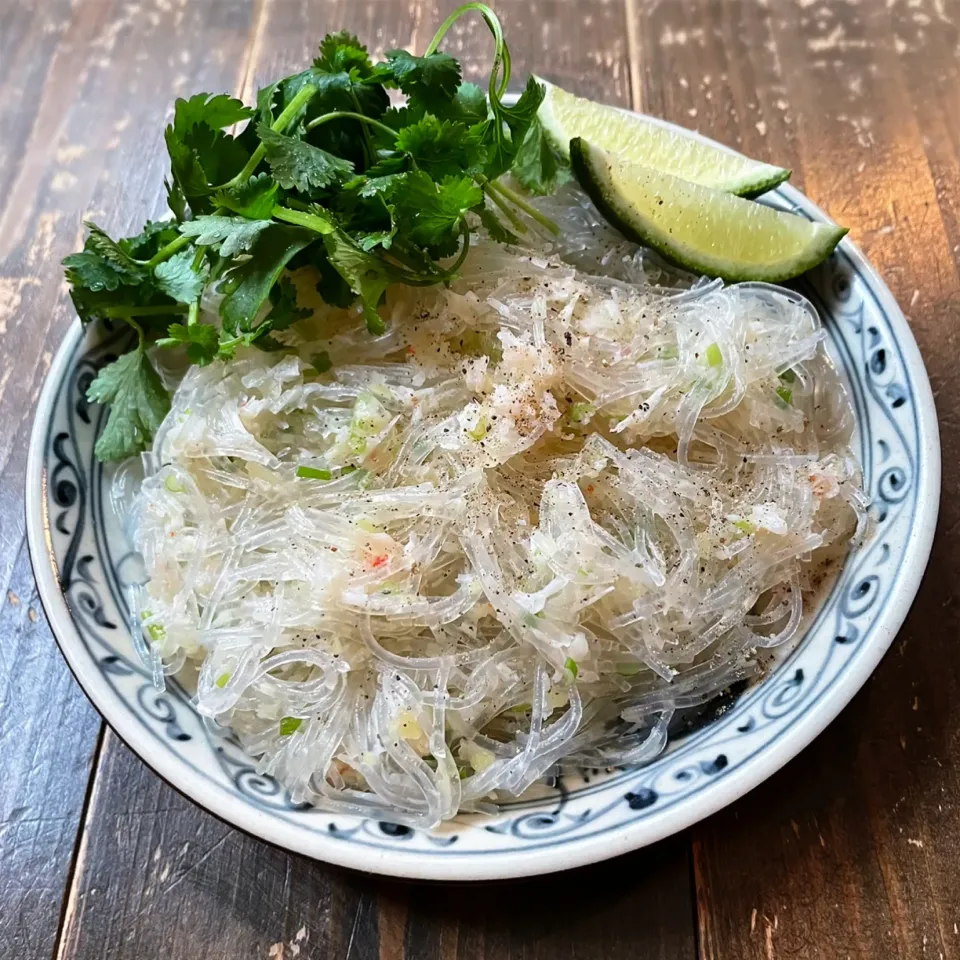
[83, 570]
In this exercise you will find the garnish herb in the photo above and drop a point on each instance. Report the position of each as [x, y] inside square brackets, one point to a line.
[326, 174]
[314, 473]
[289, 725]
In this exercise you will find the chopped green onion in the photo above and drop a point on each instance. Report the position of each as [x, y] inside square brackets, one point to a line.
[155, 630]
[714, 356]
[629, 669]
[745, 526]
[785, 394]
[321, 361]
[289, 725]
[222, 680]
[581, 412]
[349, 468]
[571, 667]
[788, 376]
[314, 473]
[173, 484]
[479, 431]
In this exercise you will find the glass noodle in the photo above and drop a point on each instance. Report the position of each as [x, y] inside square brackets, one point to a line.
[552, 507]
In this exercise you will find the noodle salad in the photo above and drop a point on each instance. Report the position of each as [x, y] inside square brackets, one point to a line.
[442, 484]
[557, 503]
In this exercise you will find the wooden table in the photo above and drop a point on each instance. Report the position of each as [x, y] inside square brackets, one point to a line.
[851, 851]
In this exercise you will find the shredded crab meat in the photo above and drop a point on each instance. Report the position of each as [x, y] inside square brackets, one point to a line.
[552, 508]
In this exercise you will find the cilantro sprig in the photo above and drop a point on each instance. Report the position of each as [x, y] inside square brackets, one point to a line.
[323, 174]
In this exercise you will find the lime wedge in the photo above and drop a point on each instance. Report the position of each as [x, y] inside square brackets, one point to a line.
[700, 228]
[637, 139]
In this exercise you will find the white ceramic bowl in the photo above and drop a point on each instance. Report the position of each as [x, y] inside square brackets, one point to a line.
[81, 564]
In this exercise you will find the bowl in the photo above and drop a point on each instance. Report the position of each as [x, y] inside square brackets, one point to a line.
[82, 566]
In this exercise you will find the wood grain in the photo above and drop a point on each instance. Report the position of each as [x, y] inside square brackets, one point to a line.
[845, 853]
[157, 873]
[44, 763]
[850, 851]
[75, 80]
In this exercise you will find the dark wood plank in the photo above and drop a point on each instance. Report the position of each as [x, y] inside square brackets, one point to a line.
[848, 851]
[156, 873]
[48, 731]
[70, 85]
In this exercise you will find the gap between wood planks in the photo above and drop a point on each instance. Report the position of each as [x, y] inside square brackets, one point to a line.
[69, 905]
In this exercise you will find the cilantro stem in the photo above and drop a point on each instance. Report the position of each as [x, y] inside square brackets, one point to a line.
[194, 312]
[125, 313]
[508, 211]
[527, 208]
[464, 250]
[303, 97]
[136, 326]
[165, 253]
[501, 55]
[350, 115]
[368, 147]
[302, 219]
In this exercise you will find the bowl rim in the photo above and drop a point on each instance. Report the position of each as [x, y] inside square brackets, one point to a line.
[514, 863]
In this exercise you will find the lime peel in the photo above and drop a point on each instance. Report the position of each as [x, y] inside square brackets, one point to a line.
[639, 139]
[700, 228]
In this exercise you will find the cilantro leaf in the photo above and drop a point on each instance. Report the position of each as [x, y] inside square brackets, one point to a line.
[536, 164]
[498, 232]
[343, 52]
[285, 311]
[376, 238]
[374, 186]
[519, 117]
[430, 214]
[254, 199]
[298, 165]
[176, 200]
[443, 148]
[216, 112]
[200, 153]
[155, 234]
[505, 132]
[366, 275]
[177, 278]
[87, 269]
[188, 173]
[433, 79]
[247, 285]
[138, 403]
[470, 103]
[266, 101]
[125, 302]
[102, 264]
[399, 117]
[200, 339]
[329, 284]
[232, 234]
